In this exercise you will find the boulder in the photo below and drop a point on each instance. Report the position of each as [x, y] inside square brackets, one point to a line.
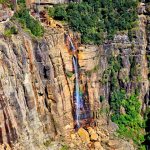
[99, 139]
[72, 145]
[67, 127]
[98, 146]
[5, 147]
[113, 144]
[84, 135]
[105, 140]
[73, 136]
[102, 135]
[90, 130]
[94, 137]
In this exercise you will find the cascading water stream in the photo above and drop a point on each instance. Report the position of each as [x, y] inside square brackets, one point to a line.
[71, 44]
[82, 107]
[79, 102]
[77, 90]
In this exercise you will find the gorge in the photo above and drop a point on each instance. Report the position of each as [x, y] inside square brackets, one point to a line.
[58, 93]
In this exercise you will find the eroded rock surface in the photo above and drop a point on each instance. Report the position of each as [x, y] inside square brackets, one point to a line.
[37, 83]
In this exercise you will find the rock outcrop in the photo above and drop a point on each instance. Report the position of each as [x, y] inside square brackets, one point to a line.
[5, 13]
[36, 88]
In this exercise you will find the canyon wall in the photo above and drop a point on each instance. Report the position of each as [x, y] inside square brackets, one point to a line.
[37, 82]
[36, 89]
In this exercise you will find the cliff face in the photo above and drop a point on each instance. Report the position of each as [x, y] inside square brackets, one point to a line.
[36, 89]
[37, 82]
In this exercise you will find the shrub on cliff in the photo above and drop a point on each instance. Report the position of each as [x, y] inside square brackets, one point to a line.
[2, 1]
[60, 13]
[30, 23]
[6, 2]
[129, 120]
[125, 108]
[10, 31]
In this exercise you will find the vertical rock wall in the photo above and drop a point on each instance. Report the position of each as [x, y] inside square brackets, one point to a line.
[37, 81]
[36, 88]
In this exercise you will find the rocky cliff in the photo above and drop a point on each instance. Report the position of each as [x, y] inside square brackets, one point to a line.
[37, 83]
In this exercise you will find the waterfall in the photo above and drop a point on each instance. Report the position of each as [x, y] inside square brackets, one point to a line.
[77, 90]
[71, 44]
[82, 107]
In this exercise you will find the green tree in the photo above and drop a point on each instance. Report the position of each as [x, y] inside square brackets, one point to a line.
[60, 13]
[33, 25]
[93, 18]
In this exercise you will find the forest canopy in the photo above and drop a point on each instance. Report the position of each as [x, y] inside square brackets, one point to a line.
[97, 20]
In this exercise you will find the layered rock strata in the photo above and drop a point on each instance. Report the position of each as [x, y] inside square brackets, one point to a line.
[37, 82]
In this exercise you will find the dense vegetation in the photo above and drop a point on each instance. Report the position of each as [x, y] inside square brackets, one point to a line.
[23, 16]
[30, 23]
[3, 1]
[130, 121]
[97, 19]
[147, 136]
[125, 108]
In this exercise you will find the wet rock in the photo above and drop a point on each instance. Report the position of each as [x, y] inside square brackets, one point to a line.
[84, 135]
